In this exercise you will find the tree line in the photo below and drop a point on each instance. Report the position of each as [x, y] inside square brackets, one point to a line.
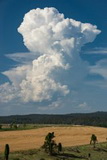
[90, 119]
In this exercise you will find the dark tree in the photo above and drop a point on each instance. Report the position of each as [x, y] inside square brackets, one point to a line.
[93, 140]
[6, 152]
[15, 126]
[0, 126]
[49, 143]
[59, 147]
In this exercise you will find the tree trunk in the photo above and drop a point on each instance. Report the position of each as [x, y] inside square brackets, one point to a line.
[6, 157]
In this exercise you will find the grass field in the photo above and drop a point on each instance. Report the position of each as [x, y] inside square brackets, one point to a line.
[34, 138]
[68, 153]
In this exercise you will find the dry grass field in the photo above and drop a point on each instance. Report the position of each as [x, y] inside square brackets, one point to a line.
[68, 136]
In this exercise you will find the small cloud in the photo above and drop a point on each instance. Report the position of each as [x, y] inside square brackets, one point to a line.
[97, 50]
[22, 58]
[100, 68]
[54, 105]
[83, 105]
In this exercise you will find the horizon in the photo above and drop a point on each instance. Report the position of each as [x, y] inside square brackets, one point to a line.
[50, 114]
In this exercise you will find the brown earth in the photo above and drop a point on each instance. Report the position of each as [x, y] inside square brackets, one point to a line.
[68, 136]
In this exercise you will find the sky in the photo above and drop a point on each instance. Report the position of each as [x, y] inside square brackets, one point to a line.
[53, 56]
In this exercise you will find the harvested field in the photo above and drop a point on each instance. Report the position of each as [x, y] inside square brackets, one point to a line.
[68, 136]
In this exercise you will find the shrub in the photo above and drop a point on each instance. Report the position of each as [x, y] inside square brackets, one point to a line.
[59, 147]
[93, 140]
[49, 143]
[0, 126]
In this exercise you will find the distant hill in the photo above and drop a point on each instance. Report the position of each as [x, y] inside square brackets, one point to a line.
[93, 119]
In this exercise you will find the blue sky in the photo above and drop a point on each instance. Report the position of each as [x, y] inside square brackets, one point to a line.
[86, 82]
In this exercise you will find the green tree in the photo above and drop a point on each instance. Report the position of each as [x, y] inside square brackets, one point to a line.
[0, 126]
[11, 125]
[24, 125]
[49, 143]
[15, 126]
[93, 140]
[6, 152]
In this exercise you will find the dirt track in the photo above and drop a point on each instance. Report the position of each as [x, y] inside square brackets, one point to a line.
[68, 136]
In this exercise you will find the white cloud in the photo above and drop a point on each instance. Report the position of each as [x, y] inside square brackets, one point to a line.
[97, 50]
[53, 64]
[100, 68]
[52, 106]
[7, 92]
[83, 106]
[23, 58]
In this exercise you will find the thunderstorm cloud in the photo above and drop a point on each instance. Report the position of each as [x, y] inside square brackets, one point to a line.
[53, 63]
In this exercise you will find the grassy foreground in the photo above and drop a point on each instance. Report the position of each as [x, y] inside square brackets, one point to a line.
[68, 153]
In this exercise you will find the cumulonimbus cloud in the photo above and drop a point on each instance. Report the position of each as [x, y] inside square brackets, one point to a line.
[54, 44]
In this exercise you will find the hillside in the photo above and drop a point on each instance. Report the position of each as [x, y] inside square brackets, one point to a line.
[93, 119]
